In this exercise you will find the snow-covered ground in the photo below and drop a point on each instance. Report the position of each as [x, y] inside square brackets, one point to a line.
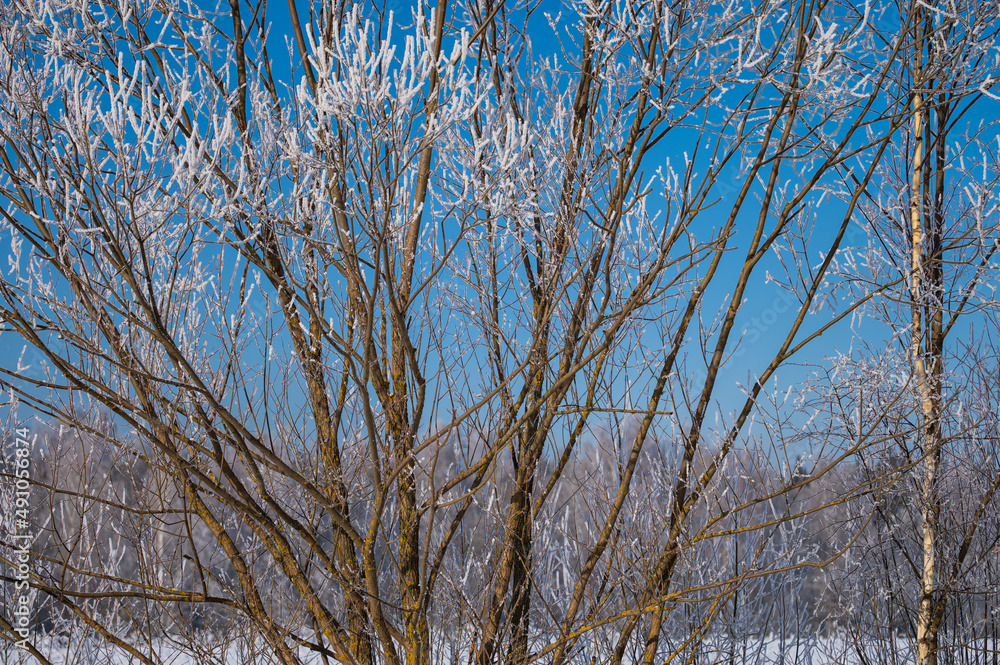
[89, 650]
[94, 651]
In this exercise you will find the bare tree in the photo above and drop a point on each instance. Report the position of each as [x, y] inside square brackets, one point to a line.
[932, 238]
[428, 332]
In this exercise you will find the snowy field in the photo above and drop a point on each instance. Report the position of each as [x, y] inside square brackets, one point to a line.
[769, 651]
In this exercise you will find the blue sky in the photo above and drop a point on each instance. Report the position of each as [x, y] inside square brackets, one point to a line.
[766, 311]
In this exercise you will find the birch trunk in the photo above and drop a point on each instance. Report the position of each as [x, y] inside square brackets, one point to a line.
[926, 346]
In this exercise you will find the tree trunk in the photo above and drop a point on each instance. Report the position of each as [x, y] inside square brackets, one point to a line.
[926, 342]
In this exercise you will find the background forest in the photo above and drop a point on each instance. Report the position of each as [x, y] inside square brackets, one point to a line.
[501, 331]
